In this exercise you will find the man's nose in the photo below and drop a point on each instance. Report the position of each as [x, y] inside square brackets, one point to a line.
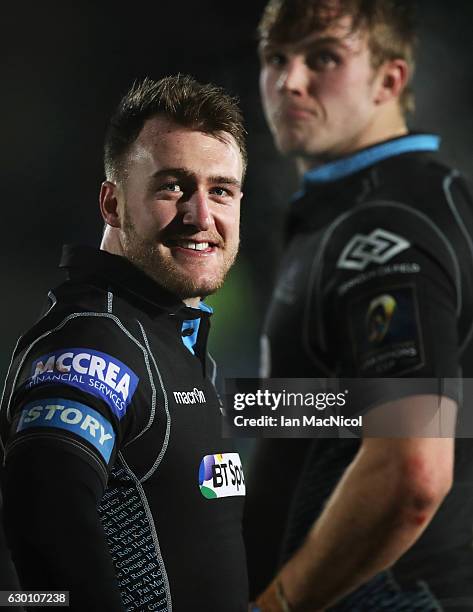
[294, 78]
[197, 212]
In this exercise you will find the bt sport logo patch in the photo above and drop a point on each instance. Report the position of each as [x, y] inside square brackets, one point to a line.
[221, 475]
[91, 371]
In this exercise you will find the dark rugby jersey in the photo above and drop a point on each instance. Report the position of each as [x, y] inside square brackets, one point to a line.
[376, 281]
[110, 404]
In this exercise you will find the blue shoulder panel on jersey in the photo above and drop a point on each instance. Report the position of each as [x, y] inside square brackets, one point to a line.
[88, 370]
[71, 416]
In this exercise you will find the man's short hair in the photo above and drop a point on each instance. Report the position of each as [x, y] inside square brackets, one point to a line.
[391, 27]
[180, 98]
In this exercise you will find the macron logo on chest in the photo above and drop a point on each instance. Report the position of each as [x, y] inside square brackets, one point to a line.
[196, 396]
[89, 370]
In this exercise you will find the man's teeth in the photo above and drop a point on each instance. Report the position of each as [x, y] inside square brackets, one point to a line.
[197, 246]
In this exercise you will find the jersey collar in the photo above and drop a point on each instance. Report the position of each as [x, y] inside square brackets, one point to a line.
[190, 329]
[341, 168]
[88, 262]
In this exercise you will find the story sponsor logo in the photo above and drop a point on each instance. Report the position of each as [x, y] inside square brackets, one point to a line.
[70, 416]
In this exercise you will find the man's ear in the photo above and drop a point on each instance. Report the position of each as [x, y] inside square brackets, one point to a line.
[392, 79]
[109, 206]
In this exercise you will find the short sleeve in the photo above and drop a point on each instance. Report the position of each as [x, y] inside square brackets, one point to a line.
[79, 382]
[391, 295]
[387, 299]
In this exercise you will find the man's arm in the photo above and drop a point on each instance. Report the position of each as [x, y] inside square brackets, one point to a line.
[58, 454]
[382, 504]
[54, 531]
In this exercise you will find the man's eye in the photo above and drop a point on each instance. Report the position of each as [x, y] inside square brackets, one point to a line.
[220, 191]
[174, 187]
[275, 58]
[322, 60]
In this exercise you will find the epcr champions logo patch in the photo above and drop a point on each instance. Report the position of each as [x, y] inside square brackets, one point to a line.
[378, 317]
[378, 247]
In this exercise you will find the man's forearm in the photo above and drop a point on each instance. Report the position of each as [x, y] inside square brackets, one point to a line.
[368, 523]
[56, 537]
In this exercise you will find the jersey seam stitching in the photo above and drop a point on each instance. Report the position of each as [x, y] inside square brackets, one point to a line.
[454, 210]
[214, 371]
[53, 298]
[167, 435]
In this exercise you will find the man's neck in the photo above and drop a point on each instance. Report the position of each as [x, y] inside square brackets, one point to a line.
[376, 134]
[111, 243]
[192, 302]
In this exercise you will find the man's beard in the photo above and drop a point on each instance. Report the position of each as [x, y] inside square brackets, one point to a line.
[144, 253]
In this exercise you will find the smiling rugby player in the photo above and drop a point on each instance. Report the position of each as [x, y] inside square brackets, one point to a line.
[118, 486]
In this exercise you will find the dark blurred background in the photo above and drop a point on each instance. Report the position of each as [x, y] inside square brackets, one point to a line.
[65, 66]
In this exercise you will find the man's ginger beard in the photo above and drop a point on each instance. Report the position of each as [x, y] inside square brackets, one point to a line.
[145, 254]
